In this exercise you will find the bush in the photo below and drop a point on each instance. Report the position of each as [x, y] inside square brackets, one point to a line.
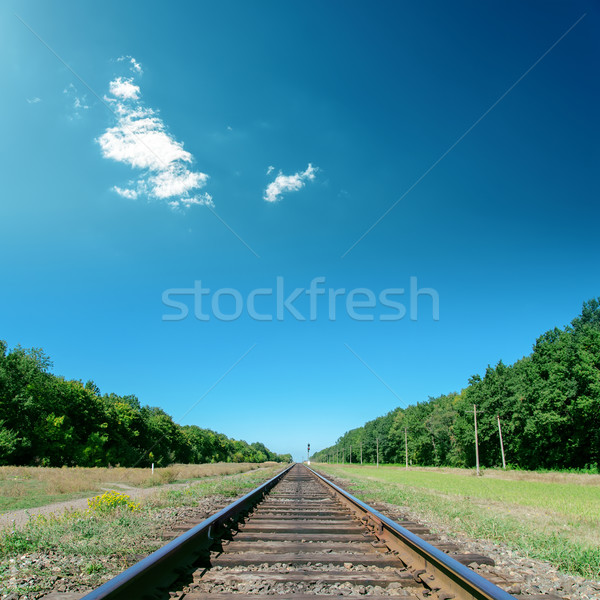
[111, 501]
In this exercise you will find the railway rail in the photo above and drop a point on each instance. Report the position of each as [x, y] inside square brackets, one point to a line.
[301, 536]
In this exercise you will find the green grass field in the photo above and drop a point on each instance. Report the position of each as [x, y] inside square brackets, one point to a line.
[32, 496]
[558, 522]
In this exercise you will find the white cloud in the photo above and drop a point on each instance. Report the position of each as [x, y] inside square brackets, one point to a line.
[134, 65]
[270, 169]
[141, 140]
[126, 193]
[33, 100]
[288, 183]
[201, 200]
[176, 181]
[78, 103]
[124, 88]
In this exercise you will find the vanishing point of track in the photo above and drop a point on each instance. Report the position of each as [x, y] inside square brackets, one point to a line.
[300, 536]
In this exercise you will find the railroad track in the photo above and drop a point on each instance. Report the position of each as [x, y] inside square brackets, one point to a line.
[300, 536]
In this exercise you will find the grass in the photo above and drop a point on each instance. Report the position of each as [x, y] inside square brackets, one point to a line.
[28, 487]
[103, 541]
[580, 476]
[98, 533]
[221, 486]
[556, 522]
[570, 500]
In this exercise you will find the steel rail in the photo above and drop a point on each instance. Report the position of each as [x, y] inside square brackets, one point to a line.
[158, 570]
[430, 565]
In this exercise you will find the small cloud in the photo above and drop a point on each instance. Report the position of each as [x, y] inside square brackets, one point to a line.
[33, 100]
[229, 128]
[141, 140]
[200, 200]
[289, 183]
[124, 88]
[204, 199]
[176, 180]
[134, 66]
[125, 193]
[78, 103]
[270, 169]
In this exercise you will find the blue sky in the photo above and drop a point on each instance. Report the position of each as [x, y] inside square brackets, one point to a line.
[145, 147]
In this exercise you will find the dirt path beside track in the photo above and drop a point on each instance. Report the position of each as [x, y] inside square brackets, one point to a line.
[17, 518]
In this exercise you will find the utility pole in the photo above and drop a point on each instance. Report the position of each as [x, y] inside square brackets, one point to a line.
[406, 445]
[501, 443]
[476, 441]
[361, 452]
[344, 455]
[350, 454]
[377, 452]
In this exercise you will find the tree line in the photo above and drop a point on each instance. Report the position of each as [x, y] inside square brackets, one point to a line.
[47, 420]
[548, 405]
